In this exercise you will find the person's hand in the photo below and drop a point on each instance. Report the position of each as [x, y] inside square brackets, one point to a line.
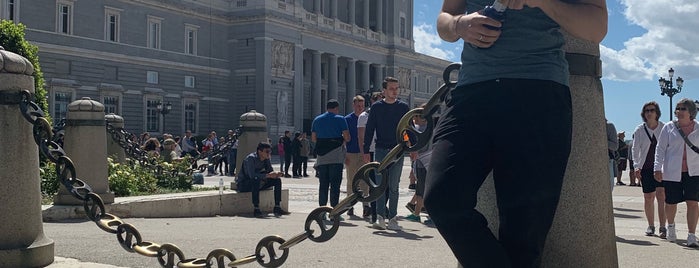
[367, 158]
[658, 176]
[472, 29]
[637, 173]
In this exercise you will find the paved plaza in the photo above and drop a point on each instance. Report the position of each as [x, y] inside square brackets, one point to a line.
[82, 244]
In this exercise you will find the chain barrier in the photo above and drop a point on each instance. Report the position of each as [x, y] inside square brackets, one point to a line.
[271, 251]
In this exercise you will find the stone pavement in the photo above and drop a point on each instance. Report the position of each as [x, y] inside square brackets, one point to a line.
[82, 244]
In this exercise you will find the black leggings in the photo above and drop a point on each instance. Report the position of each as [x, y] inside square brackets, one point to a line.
[518, 129]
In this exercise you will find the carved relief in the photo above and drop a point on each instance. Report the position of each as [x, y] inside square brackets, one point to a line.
[282, 107]
[282, 58]
[404, 78]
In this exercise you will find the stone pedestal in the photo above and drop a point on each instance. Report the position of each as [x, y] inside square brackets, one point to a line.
[85, 143]
[22, 240]
[582, 234]
[254, 128]
[114, 150]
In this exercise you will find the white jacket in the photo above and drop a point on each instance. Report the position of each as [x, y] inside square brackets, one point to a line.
[641, 143]
[668, 153]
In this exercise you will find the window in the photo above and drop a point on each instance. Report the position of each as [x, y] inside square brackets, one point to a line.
[111, 104]
[152, 115]
[61, 99]
[154, 24]
[151, 77]
[190, 116]
[9, 10]
[402, 27]
[189, 81]
[64, 17]
[111, 24]
[190, 39]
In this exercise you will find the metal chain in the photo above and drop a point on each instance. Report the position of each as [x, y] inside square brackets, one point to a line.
[267, 252]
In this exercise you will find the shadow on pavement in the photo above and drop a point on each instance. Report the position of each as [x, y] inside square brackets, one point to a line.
[403, 234]
[624, 216]
[628, 209]
[635, 242]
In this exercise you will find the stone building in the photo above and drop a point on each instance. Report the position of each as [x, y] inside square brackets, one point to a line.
[213, 60]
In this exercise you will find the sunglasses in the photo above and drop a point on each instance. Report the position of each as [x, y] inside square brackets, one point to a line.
[680, 108]
[649, 110]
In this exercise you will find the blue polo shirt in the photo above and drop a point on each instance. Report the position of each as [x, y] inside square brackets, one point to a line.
[329, 125]
[353, 144]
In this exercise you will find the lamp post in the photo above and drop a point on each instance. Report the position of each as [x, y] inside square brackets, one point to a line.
[164, 110]
[666, 87]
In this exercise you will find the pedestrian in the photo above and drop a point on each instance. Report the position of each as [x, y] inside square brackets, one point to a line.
[612, 145]
[623, 151]
[296, 155]
[304, 153]
[677, 166]
[419, 171]
[286, 142]
[361, 129]
[510, 113]
[329, 132]
[645, 140]
[256, 174]
[384, 118]
[280, 151]
[354, 157]
[232, 152]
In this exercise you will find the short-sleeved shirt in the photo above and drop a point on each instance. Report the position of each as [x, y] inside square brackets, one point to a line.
[329, 125]
[361, 122]
[353, 144]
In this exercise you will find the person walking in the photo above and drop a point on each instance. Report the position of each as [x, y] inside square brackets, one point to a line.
[361, 130]
[354, 157]
[511, 68]
[645, 139]
[384, 118]
[329, 132]
[677, 166]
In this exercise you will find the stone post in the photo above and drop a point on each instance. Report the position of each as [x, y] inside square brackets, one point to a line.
[85, 143]
[254, 128]
[113, 148]
[582, 234]
[22, 242]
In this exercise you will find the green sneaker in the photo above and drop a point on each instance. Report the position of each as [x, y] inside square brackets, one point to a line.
[413, 217]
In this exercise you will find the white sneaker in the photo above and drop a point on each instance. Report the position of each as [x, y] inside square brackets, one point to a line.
[692, 241]
[650, 231]
[379, 223]
[393, 225]
[671, 235]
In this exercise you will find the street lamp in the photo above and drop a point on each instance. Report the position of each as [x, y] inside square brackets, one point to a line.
[666, 87]
[164, 110]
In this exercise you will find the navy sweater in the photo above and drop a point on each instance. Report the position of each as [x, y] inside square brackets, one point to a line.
[384, 119]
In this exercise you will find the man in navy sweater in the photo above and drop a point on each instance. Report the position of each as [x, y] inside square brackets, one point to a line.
[384, 118]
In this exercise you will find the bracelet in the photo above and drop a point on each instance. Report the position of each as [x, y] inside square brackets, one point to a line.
[456, 25]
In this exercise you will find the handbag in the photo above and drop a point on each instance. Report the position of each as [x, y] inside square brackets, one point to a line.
[686, 140]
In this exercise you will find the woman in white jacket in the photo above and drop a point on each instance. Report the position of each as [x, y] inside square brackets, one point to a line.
[677, 166]
[645, 138]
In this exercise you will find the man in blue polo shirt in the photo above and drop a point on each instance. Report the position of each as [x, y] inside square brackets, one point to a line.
[330, 132]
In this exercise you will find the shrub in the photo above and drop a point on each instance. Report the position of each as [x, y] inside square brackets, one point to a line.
[49, 179]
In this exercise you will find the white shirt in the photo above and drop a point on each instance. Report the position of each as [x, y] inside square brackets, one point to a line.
[361, 122]
[641, 143]
[668, 153]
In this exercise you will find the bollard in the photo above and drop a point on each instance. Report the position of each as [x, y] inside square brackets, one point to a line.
[582, 234]
[85, 142]
[22, 242]
[113, 148]
[254, 130]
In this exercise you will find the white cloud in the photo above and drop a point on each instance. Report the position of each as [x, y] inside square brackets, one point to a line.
[428, 42]
[670, 40]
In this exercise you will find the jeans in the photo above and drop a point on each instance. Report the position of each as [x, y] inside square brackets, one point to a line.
[262, 185]
[393, 177]
[232, 155]
[329, 175]
[521, 131]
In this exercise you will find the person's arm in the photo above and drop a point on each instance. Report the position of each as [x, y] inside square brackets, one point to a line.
[314, 137]
[346, 135]
[453, 24]
[636, 149]
[586, 19]
[660, 151]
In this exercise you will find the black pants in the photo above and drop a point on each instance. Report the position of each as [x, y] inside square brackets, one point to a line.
[287, 159]
[304, 164]
[296, 168]
[329, 177]
[521, 131]
[263, 185]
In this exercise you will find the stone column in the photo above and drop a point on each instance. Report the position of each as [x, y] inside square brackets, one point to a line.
[23, 243]
[113, 148]
[351, 82]
[365, 84]
[298, 86]
[332, 76]
[379, 16]
[254, 128]
[85, 143]
[316, 102]
[365, 14]
[316, 7]
[333, 9]
[586, 194]
[351, 5]
[378, 77]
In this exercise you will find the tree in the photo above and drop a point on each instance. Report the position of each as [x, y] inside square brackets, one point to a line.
[12, 39]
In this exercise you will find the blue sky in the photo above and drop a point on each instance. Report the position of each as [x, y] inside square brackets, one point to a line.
[645, 39]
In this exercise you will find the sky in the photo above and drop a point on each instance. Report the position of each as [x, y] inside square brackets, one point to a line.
[644, 40]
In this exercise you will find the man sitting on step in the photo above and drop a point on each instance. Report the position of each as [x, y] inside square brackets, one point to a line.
[257, 174]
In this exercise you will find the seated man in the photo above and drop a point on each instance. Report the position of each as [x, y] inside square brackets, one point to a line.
[168, 153]
[257, 174]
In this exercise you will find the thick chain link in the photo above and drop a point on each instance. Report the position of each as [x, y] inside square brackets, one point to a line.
[271, 251]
